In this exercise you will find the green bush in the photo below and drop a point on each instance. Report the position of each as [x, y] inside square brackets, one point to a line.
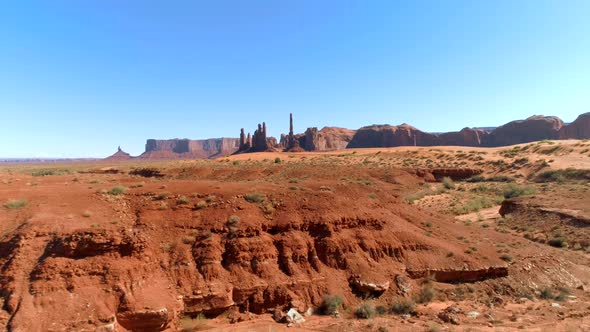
[558, 242]
[448, 183]
[475, 205]
[182, 200]
[564, 174]
[118, 190]
[404, 307]
[14, 204]
[162, 196]
[427, 294]
[48, 172]
[365, 311]
[255, 197]
[201, 205]
[330, 305]
[277, 160]
[233, 220]
[513, 190]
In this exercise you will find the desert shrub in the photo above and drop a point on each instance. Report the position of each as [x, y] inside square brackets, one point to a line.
[372, 196]
[236, 162]
[506, 258]
[330, 304]
[546, 294]
[118, 190]
[188, 324]
[404, 307]
[137, 185]
[201, 205]
[381, 310]
[427, 294]
[558, 242]
[365, 311]
[476, 178]
[564, 174]
[48, 172]
[188, 239]
[500, 178]
[182, 200]
[277, 160]
[255, 197]
[475, 205]
[233, 220]
[448, 183]
[433, 327]
[162, 196]
[14, 204]
[513, 190]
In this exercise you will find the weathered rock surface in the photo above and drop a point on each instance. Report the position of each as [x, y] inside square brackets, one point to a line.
[535, 128]
[390, 136]
[189, 149]
[326, 139]
[120, 155]
[465, 137]
[579, 129]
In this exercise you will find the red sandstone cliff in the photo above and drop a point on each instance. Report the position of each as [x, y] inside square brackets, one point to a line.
[579, 129]
[326, 139]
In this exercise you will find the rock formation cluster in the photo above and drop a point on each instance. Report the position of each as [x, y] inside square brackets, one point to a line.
[534, 128]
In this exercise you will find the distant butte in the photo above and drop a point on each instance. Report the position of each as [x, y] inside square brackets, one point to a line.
[534, 128]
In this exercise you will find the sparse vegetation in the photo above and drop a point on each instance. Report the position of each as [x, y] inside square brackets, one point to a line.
[201, 205]
[255, 197]
[15, 204]
[233, 220]
[564, 174]
[182, 200]
[162, 196]
[476, 204]
[558, 242]
[188, 324]
[365, 311]
[403, 307]
[448, 183]
[426, 294]
[513, 190]
[49, 172]
[330, 304]
[118, 190]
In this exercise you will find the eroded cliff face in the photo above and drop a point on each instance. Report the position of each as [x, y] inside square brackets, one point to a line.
[579, 129]
[326, 139]
[391, 136]
[185, 148]
[277, 251]
[465, 137]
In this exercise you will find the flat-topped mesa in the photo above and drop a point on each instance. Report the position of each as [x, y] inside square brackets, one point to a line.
[186, 148]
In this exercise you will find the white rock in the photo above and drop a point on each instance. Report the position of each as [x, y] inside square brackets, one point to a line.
[556, 305]
[293, 316]
[473, 314]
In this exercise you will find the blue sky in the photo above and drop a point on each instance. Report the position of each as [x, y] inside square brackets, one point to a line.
[79, 78]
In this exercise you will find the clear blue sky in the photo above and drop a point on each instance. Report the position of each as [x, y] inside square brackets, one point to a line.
[78, 78]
